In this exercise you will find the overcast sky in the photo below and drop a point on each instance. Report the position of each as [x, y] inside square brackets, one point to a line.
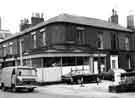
[12, 11]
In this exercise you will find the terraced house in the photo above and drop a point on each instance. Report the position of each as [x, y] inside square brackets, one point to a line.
[68, 42]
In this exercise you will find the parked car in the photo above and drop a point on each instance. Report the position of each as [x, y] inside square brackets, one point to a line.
[80, 76]
[109, 75]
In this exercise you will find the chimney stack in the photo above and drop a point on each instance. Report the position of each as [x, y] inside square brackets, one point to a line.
[36, 18]
[24, 24]
[130, 22]
[114, 17]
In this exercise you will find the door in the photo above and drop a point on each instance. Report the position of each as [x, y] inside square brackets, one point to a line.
[95, 67]
[114, 61]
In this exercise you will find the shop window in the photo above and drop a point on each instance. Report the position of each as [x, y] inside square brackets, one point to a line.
[82, 60]
[75, 61]
[68, 61]
[79, 60]
[52, 62]
[65, 61]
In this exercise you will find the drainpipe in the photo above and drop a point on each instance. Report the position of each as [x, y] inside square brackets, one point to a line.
[21, 59]
[129, 63]
[61, 66]
[99, 62]
[42, 69]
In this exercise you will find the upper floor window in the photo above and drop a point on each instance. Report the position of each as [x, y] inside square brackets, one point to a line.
[43, 36]
[34, 39]
[22, 44]
[114, 40]
[100, 40]
[11, 48]
[80, 34]
[127, 43]
[4, 49]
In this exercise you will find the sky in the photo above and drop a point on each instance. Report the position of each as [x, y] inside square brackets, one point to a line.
[12, 11]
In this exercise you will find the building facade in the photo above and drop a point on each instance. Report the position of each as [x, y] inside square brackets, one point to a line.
[68, 42]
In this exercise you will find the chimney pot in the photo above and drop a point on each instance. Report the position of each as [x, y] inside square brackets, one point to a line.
[114, 17]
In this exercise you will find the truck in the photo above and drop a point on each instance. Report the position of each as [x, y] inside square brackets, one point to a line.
[18, 77]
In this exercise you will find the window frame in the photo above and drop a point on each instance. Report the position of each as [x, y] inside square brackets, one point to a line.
[34, 39]
[43, 33]
[127, 42]
[100, 40]
[11, 48]
[80, 34]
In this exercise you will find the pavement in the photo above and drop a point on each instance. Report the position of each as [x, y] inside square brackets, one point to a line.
[91, 90]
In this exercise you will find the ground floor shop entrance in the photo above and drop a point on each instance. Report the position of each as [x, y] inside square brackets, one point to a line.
[54, 67]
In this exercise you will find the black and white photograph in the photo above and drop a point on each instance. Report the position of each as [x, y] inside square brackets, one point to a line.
[67, 49]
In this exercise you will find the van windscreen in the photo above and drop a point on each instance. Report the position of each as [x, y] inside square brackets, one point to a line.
[26, 72]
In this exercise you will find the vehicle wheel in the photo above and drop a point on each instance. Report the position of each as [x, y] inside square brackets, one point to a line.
[3, 87]
[31, 89]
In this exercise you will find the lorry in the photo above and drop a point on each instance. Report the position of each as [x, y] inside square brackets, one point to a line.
[18, 77]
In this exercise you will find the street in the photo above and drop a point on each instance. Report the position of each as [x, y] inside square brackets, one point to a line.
[91, 90]
[35, 94]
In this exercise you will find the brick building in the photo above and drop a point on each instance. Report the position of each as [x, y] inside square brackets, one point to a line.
[66, 41]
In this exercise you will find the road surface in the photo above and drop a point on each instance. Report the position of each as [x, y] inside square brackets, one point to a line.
[69, 91]
[35, 94]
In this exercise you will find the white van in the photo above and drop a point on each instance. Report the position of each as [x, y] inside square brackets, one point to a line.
[18, 77]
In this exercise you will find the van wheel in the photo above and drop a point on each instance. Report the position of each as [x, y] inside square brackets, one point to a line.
[3, 87]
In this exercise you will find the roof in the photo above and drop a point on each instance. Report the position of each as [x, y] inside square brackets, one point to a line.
[76, 20]
[87, 21]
